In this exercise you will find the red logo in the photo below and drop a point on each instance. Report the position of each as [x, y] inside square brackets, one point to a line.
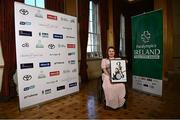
[54, 73]
[71, 45]
[53, 17]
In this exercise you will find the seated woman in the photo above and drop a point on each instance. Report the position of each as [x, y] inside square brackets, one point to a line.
[114, 93]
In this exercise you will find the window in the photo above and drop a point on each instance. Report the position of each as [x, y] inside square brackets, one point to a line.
[37, 3]
[122, 36]
[94, 39]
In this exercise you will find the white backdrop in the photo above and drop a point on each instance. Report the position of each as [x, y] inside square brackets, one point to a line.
[46, 53]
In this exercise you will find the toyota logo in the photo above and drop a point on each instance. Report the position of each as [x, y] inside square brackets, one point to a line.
[27, 77]
[51, 46]
[23, 11]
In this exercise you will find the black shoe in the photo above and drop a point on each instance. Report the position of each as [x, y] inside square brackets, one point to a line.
[125, 105]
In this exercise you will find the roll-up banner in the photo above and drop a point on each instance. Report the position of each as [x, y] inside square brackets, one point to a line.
[46, 53]
[147, 46]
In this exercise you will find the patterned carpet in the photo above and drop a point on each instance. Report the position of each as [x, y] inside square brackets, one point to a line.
[84, 105]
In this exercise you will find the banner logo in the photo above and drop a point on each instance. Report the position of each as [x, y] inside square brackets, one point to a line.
[51, 46]
[28, 88]
[45, 64]
[145, 36]
[26, 65]
[24, 23]
[54, 73]
[73, 84]
[58, 36]
[25, 33]
[27, 77]
[52, 17]
[71, 45]
[24, 11]
[60, 87]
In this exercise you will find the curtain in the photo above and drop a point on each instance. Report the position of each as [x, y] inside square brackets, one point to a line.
[8, 45]
[83, 19]
[116, 24]
[55, 5]
[103, 15]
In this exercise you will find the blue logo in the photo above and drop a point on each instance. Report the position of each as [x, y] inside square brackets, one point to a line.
[58, 36]
[73, 84]
[44, 64]
[28, 88]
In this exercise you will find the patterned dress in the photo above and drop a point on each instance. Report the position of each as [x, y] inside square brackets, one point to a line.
[114, 93]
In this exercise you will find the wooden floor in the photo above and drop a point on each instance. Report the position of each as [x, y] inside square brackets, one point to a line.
[84, 105]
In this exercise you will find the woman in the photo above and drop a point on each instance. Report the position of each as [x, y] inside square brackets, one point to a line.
[114, 93]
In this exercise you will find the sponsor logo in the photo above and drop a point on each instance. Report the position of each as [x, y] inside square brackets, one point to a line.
[25, 44]
[52, 82]
[43, 34]
[71, 53]
[24, 11]
[67, 28]
[25, 33]
[74, 70]
[66, 71]
[148, 79]
[72, 21]
[26, 65]
[139, 83]
[47, 25]
[47, 91]
[31, 95]
[73, 84]
[51, 46]
[24, 23]
[44, 64]
[39, 14]
[69, 36]
[71, 62]
[54, 73]
[151, 86]
[145, 36]
[58, 36]
[27, 77]
[61, 46]
[31, 55]
[28, 88]
[39, 44]
[61, 87]
[58, 63]
[71, 45]
[41, 75]
[52, 17]
[153, 83]
[64, 19]
[54, 54]
[146, 85]
[69, 79]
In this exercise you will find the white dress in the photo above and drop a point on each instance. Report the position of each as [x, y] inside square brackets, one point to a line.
[114, 93]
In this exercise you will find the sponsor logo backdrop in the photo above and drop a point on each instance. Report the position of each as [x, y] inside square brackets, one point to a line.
[47, 61]
[147, 46]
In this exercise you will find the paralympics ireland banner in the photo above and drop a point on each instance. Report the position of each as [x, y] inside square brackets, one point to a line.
[147, 46]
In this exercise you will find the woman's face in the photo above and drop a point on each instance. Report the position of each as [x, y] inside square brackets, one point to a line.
[111, 53]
